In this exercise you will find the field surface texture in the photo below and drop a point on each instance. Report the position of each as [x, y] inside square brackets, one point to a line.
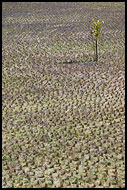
[63, 114]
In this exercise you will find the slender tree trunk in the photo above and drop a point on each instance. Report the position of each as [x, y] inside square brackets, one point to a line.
[96, 51]
[93, 46]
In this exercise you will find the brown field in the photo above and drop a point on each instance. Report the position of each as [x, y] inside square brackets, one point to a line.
[63, 115]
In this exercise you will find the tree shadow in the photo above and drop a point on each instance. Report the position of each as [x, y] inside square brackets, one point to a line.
[82, 62]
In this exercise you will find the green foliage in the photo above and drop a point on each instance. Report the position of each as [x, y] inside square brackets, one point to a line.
[96, 27]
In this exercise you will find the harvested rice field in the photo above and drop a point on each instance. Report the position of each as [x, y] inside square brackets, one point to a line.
[63, 115]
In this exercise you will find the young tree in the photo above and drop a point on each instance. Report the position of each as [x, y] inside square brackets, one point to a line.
[96, 30]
